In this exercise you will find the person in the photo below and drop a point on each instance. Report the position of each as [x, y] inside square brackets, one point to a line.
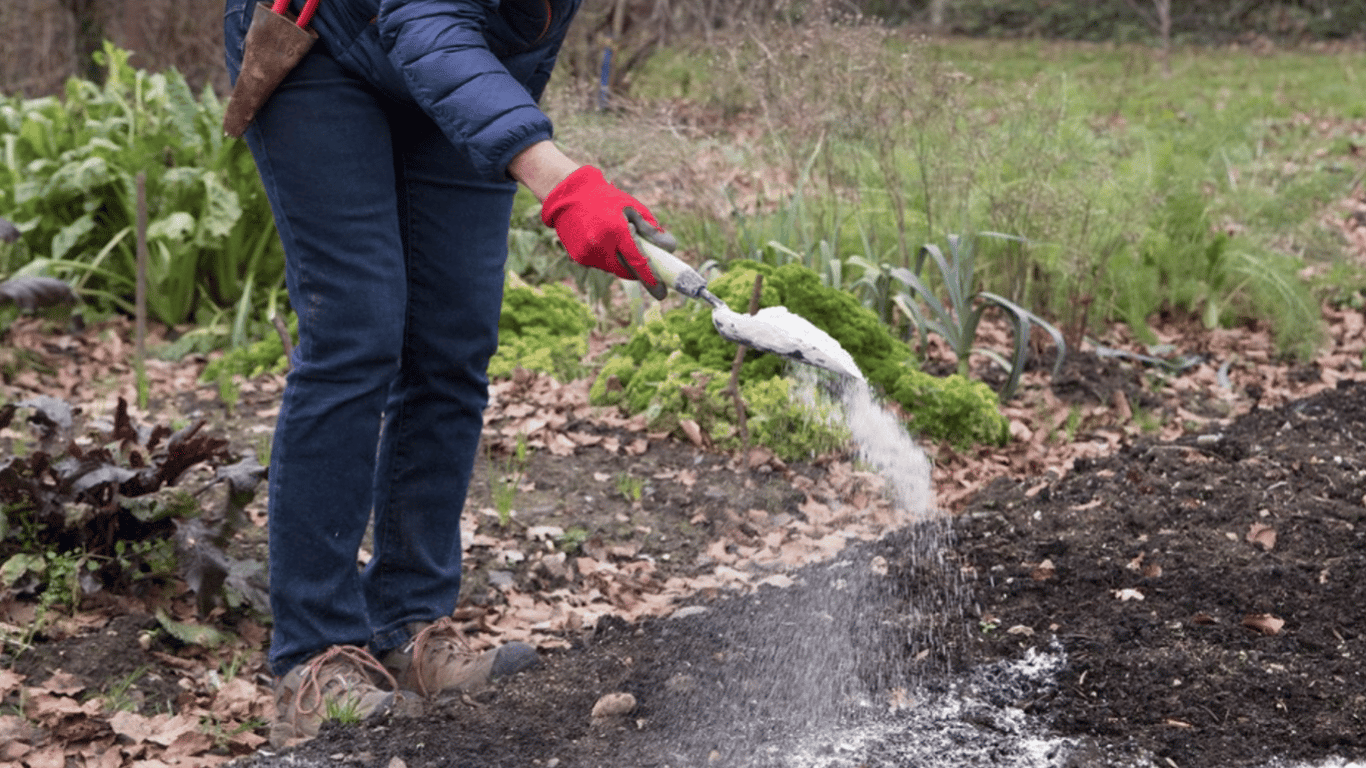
[391, 154]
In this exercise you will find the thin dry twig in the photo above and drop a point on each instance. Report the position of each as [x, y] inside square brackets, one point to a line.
[285, 340]
[734, 386]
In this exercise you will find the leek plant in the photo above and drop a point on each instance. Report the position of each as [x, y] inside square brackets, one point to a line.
[957, 317]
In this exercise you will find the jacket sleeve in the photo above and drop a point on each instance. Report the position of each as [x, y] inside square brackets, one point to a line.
[537, 83]
[440, 48]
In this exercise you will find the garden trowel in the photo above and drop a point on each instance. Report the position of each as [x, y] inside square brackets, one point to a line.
[772, 329]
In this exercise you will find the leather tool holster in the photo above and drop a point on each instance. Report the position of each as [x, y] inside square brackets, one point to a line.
[274, 45]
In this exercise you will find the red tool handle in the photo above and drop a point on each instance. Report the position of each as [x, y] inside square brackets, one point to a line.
[305, 16]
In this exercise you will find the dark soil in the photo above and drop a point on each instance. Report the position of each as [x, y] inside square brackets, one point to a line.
[1184, 672]
[1195, 673]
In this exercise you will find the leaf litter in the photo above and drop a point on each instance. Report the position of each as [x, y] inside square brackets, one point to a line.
[713, 531]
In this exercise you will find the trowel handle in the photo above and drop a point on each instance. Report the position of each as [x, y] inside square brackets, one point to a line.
[657, 255]
[669, 270]
[658, 259]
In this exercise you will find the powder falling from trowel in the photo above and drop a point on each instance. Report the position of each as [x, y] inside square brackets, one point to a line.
[865, 624]
[892, 452]
[884, 445]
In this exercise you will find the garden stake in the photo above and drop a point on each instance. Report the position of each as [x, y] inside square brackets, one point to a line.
[274, 45]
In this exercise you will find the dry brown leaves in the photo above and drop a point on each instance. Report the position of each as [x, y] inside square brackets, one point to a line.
[1195, 400]
[64, 722]
[757, 549]
[540, 411]
[92, 367]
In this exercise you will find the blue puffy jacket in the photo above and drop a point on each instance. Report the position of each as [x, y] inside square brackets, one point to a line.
[478, 67]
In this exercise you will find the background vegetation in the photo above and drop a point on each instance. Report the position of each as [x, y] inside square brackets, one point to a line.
[43, 42]
[1125, 183]
[889, 184]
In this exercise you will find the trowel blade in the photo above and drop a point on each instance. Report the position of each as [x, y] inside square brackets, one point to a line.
[779, 331]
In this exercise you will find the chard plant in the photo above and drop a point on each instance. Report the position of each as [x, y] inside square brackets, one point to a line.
[85, 509]
[957, 316]
[68, 170]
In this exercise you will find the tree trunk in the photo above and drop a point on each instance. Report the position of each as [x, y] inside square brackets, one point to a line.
[619, 19]
[1164, 32]
[88, 38]
[938, 14]
[1162, 23]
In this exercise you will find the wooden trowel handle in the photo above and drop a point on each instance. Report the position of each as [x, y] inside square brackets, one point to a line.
[670, 270]
[661, 288]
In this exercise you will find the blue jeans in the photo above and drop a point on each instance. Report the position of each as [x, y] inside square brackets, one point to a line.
[394, 265]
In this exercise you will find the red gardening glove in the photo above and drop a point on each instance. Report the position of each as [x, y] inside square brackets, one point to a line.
[589, 216]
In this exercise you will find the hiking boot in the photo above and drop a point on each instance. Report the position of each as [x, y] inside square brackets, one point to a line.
[438, 661]
[342, 683]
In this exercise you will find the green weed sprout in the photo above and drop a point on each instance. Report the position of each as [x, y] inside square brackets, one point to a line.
[117, 695]
[573, 539]
[957, 318]
[504, 495]
[344, 710]
[503, 484]
[630, 487]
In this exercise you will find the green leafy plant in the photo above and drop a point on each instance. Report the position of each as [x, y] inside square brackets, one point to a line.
[677, 368]
[228, 370]
[956, 317]
[190, 632]
[534, 254]
[70, 176]
[57, 577]
[789, 423]
[144, 559]
[954, 408]
[542, 329]
[266, 355]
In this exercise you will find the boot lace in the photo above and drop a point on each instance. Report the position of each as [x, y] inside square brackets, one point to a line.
[442, 631]
[313, 683]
